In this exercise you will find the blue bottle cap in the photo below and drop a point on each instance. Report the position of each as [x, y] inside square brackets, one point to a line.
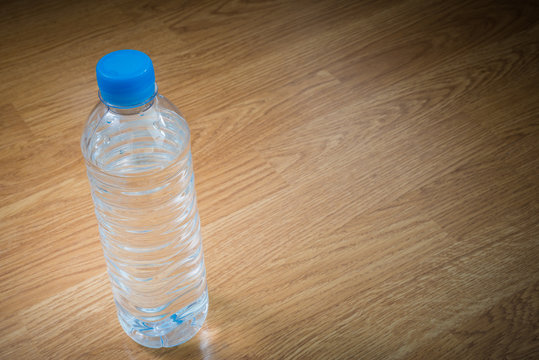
[125, 78]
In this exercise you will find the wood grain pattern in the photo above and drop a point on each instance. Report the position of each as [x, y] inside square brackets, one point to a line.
[367, 174]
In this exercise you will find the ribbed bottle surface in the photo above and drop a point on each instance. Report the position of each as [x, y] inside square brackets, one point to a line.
[141, 176]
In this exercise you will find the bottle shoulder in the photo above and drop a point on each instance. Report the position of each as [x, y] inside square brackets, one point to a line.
[165, 104]
[158, 121]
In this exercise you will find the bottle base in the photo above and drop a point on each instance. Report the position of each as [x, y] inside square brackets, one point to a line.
[173, 331]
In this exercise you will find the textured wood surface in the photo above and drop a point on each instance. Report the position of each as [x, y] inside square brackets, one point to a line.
[367, 175]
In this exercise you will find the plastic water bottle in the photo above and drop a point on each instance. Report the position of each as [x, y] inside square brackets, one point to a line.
[138, 160]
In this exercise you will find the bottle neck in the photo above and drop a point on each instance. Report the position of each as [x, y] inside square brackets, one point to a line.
[134, 110]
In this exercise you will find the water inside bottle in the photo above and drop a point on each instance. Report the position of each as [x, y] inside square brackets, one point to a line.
[141, 174]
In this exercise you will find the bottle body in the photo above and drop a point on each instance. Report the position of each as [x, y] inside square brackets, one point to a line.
[140, 170]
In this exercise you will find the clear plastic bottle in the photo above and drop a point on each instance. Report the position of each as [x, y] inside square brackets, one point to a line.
[138, 160]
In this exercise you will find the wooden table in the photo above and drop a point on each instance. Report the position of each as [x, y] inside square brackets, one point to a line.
[367, 176]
